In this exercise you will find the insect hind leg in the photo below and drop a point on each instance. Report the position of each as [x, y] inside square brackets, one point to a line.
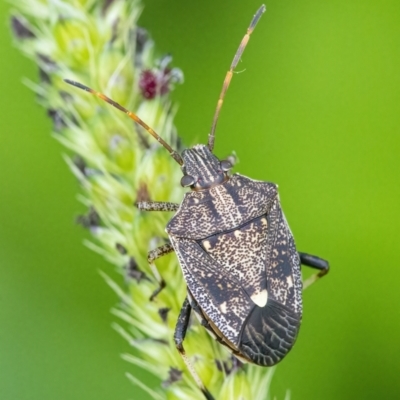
[151, 257]
[316, 263]
[179, 336]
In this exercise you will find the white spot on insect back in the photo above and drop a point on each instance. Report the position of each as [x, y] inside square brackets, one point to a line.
[289, 281]
[222, 307]
[237, 233]
[264, 221]
[207, 245]
[260, 298]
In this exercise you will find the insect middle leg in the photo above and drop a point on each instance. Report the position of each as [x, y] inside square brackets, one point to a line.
[314, 262]
[151, 257]
[179, 336]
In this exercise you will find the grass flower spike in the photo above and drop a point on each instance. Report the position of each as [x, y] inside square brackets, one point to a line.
[118, 165]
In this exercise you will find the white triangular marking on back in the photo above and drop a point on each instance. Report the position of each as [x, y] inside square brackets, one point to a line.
[260, 298]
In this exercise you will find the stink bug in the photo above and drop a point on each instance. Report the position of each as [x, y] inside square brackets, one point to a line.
[235, 248]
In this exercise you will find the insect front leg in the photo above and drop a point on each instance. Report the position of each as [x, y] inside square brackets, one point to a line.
[179, 336]
[314, 262]
[156, 206]
[151, 257]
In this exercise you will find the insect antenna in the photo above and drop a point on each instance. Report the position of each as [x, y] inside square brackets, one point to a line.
[229, 74]
[174, 154]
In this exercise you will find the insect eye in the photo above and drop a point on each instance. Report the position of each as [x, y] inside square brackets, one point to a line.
[226, 165]
[187, 180]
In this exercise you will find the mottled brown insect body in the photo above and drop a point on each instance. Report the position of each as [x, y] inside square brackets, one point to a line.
[239, 259]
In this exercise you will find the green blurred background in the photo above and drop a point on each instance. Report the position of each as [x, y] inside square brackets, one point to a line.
[316, 110]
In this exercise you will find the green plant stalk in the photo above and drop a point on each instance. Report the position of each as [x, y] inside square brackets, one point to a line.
[117, 164]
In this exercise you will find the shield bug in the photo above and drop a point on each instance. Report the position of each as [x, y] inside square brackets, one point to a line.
[235, 248]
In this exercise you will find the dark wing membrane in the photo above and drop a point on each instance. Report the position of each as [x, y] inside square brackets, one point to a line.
[218, 294]
[269, 333]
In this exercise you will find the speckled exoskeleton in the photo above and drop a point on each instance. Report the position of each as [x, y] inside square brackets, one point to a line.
[236, 250]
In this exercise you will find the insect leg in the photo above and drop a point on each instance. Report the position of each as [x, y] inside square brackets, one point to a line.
[314, 262]
[156, 206]
[151, 257]
[203, 321]
[195, 307]
[179, 337]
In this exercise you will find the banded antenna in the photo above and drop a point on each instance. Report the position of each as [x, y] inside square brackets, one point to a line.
[229, 74]
[174, 154]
